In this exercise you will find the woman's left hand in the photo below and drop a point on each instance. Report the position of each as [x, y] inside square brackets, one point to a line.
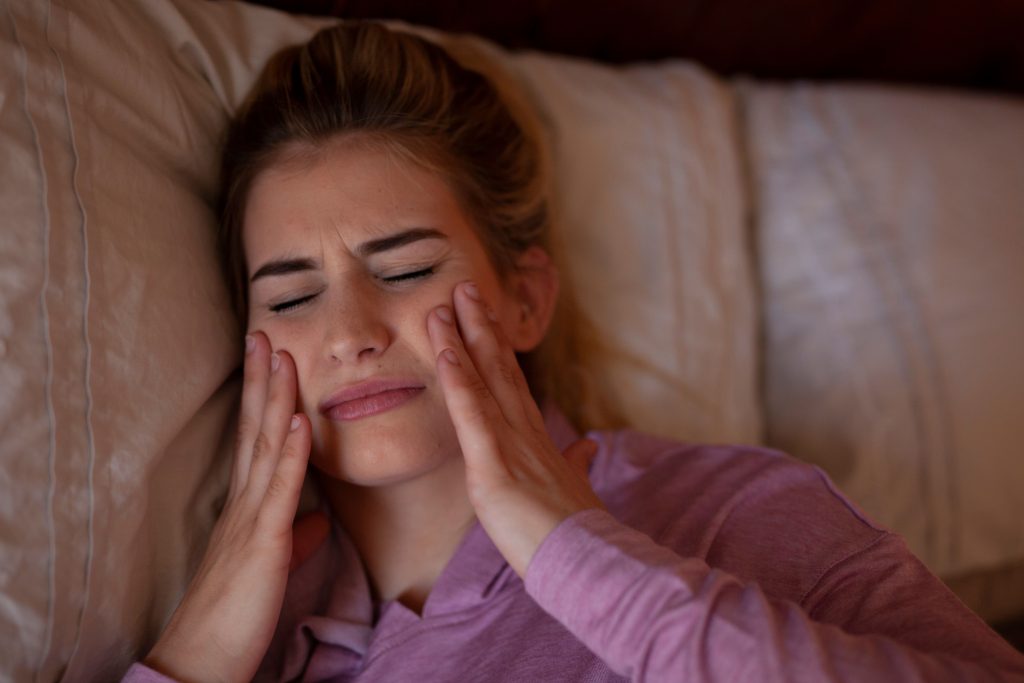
[521, 486]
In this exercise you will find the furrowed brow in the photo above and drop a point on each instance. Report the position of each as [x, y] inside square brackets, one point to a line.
[284, 267]
[377, 246]
[398, 240]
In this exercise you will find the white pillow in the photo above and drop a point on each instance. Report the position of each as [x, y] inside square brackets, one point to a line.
[892, 251]
[118, 393]
[652, 207]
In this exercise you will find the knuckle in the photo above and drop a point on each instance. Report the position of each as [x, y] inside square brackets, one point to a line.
[241, 441]
[481, 393]
[539, 432]
[278, 486]
[290, 451]
[246, 428]
[261, 446]
[479, 413]
[506, 372]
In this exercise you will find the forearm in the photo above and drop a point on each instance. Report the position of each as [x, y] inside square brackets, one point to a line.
[653, 615]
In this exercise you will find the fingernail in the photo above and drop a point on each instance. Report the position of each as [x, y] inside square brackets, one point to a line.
[275, 362]
[445, 314]
[250, 343]
[491, 315]
[294, 424]
[450, 356]
[472, 291]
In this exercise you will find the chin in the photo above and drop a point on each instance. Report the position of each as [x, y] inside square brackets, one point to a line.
[382, 452]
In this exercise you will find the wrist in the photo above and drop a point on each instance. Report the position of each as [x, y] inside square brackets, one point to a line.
[184, 663]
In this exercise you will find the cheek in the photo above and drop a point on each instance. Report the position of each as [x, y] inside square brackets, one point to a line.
[295, 338]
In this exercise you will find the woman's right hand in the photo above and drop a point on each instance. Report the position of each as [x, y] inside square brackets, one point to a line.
[225, 622]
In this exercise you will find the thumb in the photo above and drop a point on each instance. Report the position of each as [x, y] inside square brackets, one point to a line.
[308, 534]
[580, 454]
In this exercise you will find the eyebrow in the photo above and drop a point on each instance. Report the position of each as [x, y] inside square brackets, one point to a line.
[382, 244]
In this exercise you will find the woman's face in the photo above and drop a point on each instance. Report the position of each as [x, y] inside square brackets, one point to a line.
[347, 255]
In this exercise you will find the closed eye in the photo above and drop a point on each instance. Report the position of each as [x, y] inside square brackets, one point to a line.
[394, 279]
[289, 305]
[414, 275]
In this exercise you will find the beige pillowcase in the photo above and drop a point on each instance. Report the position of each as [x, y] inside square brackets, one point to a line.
[118, 343]
[652, 207]
[118, 347]
[891, 230]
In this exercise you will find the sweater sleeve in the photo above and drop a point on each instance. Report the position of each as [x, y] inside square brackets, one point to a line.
[653, 615]
[140, 673]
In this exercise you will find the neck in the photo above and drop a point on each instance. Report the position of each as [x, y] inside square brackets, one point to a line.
[407, 532]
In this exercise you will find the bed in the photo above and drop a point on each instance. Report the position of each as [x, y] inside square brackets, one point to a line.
[830, 267]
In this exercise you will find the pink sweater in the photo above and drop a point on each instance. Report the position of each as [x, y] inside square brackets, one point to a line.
[715, 563]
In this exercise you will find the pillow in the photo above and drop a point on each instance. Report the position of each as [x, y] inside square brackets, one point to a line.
[118, 342]
[651, 205]
[892, 255]
[120, 387]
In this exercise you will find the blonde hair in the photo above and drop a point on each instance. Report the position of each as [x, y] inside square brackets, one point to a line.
[409, 94]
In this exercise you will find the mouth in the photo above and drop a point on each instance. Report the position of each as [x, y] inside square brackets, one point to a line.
[370, 398]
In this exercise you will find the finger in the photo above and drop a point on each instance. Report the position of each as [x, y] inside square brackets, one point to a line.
[308, 534]
[277, 413]
[580, 454]
[473, 410]
[284, 488]
[256, 371]
[494, 357]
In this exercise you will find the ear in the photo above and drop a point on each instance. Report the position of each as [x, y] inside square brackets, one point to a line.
[534, 286]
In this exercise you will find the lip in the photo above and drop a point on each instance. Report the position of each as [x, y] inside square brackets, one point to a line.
[370, 397]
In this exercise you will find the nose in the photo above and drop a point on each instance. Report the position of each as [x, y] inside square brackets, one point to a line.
[355, 331]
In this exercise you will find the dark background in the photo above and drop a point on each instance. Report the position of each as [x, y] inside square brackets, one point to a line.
[977, 45]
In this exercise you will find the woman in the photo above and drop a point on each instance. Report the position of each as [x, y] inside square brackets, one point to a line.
[387, 235]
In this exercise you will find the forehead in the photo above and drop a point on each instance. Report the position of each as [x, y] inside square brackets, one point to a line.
[341, 197]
